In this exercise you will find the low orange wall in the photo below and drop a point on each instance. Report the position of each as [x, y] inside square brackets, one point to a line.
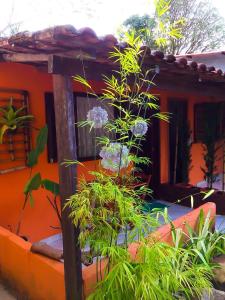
[41, 278]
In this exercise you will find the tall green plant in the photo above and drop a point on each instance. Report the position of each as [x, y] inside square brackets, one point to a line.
[163, 272]
[109, 211]
[205, 242]
[35, 181]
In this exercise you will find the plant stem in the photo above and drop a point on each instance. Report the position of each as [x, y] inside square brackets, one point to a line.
[23, 207]
[21, 214]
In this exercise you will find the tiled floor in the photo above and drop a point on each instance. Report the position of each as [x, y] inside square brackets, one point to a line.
[216, 185]
[4, 294]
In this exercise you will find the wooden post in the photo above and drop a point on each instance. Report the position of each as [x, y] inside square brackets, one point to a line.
[66, 146]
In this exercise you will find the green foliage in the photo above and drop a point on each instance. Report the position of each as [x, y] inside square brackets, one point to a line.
[35, 181]
[33, 184]
[131, 104]
[53, 188]
[108, 210]
[41, 142]
[103, 208]
[50, 186]
[180, 26]
[12, 119]
[138, 25]
[164, 272]
[205, 242]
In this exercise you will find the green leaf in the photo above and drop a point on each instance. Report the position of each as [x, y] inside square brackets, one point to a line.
[32, 158]
[3, 130]
[200, 256]
[11, 114]
[68, 163]
[41, 142]
[50, 186]
[42, 139]
[208, 194]
[31, 198]
[33, 184]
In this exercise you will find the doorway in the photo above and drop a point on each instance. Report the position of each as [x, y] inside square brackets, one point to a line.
[151, 149]
[177, 139]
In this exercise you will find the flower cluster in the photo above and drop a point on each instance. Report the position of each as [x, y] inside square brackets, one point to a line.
[97, 116]
[115, 157]
[139, 128]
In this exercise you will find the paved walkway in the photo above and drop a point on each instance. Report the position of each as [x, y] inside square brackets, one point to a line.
[4, 294]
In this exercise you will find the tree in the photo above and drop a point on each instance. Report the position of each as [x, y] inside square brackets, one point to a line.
[10, 27]
[203, 28]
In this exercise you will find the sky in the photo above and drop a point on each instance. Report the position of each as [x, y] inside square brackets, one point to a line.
[104, 16]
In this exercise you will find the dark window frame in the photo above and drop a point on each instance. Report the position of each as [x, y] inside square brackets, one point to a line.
[199, 109]
[50, 119]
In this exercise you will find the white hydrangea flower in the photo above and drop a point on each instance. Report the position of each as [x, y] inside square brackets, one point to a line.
[115, 157]
[139, 128]
[98, 116]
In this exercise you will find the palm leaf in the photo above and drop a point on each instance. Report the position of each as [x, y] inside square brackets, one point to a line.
[3, 130]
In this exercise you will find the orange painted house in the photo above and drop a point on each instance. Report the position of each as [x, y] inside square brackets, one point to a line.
[23, 66]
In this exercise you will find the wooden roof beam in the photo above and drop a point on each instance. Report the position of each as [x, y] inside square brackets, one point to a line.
[92, 70]
[24, 57]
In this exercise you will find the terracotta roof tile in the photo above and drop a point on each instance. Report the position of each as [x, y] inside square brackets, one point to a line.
[64, 39]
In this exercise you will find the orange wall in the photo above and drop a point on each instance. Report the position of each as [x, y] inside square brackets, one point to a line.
[196, 174]
[12, 184]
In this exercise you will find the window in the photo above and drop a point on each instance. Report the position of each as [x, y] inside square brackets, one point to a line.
[209, 116]
[87, 148]
[16, 143]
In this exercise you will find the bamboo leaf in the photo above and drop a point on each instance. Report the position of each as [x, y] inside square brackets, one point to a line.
[192, 201]
[68, 163]
[82, 80]
[208, 194]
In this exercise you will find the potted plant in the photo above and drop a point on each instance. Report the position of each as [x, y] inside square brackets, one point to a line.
[11, 119]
